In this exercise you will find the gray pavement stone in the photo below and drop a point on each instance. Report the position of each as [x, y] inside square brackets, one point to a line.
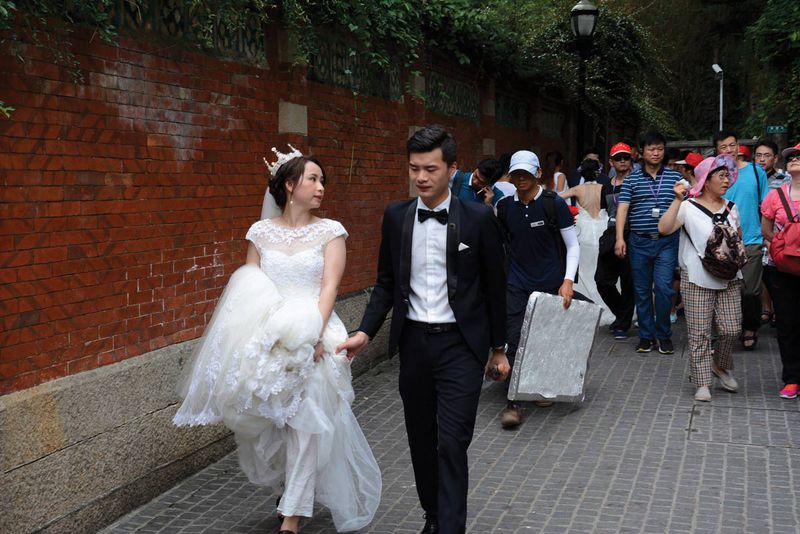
[638, 455]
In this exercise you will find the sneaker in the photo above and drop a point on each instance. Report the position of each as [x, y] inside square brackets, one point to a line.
[789, 391]
[511, 416]
[726, 379]
[702, 394]
[673, 317]
[665, 346]
[645, 345]
[619, 333]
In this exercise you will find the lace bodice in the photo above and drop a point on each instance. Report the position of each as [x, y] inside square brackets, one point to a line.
[293, 257]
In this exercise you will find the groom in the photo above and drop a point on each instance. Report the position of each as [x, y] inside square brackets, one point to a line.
[440, 271]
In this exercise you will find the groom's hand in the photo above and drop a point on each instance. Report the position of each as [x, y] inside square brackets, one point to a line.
[497, 368]
[354, 344]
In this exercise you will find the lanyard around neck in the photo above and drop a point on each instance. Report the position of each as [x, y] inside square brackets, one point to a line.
[660, 178]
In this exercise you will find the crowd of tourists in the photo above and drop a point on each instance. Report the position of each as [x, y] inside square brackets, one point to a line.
[658, 233]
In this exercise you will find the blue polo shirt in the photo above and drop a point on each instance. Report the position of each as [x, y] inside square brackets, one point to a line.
[644, 194]
[747, 192]
[535, 262]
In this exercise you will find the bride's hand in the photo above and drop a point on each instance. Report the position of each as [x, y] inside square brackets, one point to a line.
[318, 350]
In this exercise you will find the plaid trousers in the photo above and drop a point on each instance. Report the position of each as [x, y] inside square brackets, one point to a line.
[703, 306]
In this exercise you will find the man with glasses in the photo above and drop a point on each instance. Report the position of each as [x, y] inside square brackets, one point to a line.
[766, 155]
[747, 192]
[610, 268]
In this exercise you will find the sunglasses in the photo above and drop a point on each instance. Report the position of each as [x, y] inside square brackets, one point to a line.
[622, 157]
[792, 158]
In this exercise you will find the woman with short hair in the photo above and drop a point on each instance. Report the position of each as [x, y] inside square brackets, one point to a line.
[708, 299]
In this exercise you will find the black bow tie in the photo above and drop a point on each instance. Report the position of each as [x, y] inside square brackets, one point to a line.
[424, 215]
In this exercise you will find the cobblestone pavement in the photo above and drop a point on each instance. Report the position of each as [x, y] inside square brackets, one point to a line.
[638, 455]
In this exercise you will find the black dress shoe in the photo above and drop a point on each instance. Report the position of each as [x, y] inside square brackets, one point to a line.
[431, 525]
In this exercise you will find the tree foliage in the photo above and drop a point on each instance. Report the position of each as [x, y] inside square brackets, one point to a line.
[776, 39]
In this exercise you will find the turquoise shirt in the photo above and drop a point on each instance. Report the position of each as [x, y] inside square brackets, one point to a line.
[747, 193]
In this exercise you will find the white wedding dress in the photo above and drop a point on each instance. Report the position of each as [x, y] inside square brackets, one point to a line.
[589, 231]
[254, 371]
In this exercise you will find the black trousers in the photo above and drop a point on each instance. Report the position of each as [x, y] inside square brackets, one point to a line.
[610, 268]
[785, 293]
[440, 384]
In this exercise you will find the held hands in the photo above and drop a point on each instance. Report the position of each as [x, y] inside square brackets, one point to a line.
[565, 291]
[354, 344]
[497, 368]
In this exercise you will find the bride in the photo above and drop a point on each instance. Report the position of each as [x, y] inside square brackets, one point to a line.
[266, 365]
[590, 225]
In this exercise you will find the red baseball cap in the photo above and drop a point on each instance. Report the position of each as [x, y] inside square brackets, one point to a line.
[744, 151]
[692, 159]
[620, 148]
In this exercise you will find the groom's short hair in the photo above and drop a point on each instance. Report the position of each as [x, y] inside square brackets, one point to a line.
[430, 138]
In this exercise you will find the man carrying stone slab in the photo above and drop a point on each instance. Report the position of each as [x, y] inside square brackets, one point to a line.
[543, 253]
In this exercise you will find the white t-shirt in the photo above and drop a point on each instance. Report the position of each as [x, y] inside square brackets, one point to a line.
[699, 226]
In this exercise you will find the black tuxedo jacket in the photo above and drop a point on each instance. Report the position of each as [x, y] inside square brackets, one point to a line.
[476, 280]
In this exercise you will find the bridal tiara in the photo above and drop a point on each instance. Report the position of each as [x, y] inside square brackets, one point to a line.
[282, 158]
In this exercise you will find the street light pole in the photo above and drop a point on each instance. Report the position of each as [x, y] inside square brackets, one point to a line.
[721, 75]
[581, 119]
[583, 18]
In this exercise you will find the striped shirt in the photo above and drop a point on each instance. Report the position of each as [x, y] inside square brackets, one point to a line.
[645, 194]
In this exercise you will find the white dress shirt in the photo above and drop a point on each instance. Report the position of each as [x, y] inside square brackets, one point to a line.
[427, 301]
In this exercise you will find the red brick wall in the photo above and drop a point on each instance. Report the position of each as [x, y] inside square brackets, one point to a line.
[124, 200]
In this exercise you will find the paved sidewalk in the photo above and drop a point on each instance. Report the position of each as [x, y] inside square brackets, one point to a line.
[638, 455]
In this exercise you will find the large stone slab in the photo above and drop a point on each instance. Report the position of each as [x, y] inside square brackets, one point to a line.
[554, 349]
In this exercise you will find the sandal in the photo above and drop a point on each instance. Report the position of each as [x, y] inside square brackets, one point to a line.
[766, 317]
[753, 338]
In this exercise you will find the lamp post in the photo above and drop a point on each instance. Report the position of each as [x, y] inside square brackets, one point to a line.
[721, 75]
[583, 18]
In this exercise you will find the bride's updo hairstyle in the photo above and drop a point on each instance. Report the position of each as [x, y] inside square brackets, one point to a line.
[290, 172]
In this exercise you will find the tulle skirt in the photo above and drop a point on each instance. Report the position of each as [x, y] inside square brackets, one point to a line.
[589, 231]
[254, 371]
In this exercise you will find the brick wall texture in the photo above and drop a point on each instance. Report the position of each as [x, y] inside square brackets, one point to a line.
[124, 199]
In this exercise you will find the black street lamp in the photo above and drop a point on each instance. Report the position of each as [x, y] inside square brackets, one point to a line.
[584, 21]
